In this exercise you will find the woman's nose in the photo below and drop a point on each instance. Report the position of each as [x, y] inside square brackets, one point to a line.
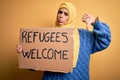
[61, 15]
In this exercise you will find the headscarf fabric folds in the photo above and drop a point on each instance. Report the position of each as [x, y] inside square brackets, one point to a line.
[71, 24]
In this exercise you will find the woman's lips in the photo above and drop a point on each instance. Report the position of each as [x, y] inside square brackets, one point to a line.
[60, 21]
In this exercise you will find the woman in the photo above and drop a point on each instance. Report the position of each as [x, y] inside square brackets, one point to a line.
[85, 42]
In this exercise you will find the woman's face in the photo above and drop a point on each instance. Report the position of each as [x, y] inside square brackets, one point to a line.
[62, 16]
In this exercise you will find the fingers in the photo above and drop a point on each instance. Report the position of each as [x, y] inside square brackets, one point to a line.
[87, 27]
[85, 17]
[19, 48]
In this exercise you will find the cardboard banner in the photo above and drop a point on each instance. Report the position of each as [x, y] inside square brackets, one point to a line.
[46, 49]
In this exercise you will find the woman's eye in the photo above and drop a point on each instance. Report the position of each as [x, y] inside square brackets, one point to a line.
[66, 14]
[60, 12]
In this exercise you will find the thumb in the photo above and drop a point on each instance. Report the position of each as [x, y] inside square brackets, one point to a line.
[87, 26]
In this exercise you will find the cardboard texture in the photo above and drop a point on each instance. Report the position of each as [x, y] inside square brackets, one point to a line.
[46, 49]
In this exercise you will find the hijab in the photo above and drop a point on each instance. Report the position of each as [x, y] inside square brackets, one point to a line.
[71, 24]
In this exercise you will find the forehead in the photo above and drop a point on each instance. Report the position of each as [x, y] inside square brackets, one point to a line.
[64, 9]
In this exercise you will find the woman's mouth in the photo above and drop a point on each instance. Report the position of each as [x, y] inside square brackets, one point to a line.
[60, 21]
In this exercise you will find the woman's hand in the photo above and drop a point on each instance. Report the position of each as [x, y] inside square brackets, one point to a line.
[88, 19]
[19, 48]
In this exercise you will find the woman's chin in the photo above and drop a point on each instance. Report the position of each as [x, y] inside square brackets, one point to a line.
[60, 24]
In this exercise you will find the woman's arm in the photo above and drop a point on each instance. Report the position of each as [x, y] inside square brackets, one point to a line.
[101, 36]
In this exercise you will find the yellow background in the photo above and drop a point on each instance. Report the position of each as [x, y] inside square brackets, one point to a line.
[14, 14]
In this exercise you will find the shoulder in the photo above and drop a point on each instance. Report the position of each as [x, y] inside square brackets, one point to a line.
[86, 35]
[84, 32]
[86, 40]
